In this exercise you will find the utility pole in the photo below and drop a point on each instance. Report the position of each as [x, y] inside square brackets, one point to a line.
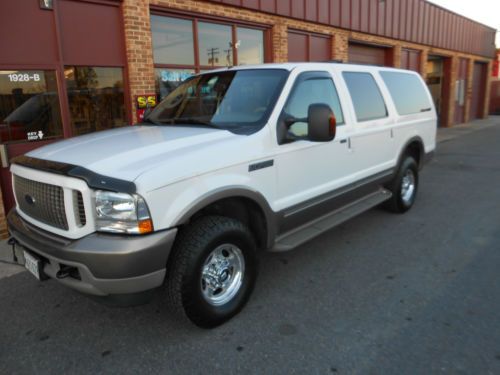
[212, 53]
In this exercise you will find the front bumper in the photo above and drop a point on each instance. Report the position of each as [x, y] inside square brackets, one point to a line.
[107, 264]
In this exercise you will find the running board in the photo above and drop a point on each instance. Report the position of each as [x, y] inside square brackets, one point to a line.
[306, 232]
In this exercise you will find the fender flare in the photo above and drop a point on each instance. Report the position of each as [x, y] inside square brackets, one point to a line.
[402, 151]
[232, 192]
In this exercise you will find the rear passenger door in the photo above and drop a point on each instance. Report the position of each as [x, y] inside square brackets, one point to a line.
[371, 141]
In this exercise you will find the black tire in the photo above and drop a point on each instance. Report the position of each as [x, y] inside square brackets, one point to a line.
[398, 203]
[184, 274]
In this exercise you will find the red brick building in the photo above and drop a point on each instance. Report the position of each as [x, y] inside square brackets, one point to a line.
[72, 67]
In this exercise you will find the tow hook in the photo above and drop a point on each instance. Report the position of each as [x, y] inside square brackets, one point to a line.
[13, 242]
[67, 271]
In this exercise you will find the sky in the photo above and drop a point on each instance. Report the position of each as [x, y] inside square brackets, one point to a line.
[484, 11]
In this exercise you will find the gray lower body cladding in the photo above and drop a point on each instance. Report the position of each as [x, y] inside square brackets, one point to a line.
[107, 264]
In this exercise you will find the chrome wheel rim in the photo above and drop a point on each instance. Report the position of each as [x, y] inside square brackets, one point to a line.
[408, 186]
[222, 274]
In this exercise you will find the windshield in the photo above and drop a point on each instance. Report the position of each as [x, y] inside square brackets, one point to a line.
[236, 100]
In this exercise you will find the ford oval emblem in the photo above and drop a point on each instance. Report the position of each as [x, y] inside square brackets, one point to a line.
[29, 199]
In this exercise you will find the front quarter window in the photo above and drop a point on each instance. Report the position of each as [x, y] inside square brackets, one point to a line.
[236, 100]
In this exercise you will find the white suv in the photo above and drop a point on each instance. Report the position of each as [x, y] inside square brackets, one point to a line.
[232, 161]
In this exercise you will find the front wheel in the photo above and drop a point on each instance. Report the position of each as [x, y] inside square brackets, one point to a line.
[404, 187]
[212, 271]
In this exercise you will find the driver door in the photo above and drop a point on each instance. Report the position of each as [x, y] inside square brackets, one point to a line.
[308, 171]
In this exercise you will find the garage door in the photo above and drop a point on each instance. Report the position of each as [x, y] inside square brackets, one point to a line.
[368, 54]
[410, 59]
[478, 90]
[308, 47]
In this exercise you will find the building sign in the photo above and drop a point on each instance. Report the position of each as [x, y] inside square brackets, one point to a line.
[144, 102]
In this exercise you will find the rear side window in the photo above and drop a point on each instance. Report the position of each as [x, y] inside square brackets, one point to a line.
[366, 97]
[407, 92]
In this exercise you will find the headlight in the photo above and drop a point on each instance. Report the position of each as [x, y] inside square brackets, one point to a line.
[122, 213]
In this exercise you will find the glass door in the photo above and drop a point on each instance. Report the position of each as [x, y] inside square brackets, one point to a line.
[30, 116]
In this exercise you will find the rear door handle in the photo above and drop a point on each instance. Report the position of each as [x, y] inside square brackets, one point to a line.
[343, 141]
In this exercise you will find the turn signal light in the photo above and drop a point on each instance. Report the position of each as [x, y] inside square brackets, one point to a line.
[145, 226]
[332, 122]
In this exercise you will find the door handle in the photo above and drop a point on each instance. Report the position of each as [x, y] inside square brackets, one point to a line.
[343, 141]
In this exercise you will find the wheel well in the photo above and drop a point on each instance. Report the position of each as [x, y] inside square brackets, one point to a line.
[415, 150]
[242, 209]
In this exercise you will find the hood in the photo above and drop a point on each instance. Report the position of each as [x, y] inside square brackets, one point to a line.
[127, 152]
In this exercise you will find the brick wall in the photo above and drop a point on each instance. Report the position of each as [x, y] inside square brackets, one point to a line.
[3, 222]
[140, 57]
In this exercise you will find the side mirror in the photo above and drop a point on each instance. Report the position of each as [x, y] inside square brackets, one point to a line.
[321, 123]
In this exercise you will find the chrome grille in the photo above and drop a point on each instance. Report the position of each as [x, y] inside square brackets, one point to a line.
[41, 201]
[79, 209]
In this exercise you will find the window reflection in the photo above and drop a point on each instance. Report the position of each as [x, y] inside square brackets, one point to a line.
[215, 44]
[168, 79]
[96, 100]
[251, 46]
[172, 40]
[29, 105]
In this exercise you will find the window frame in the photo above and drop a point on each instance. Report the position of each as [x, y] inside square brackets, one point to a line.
[195, 18]
[387, 114]
[306, 76]
[422, 87]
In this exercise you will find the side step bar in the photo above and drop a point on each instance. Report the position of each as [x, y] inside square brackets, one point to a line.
[306, 232]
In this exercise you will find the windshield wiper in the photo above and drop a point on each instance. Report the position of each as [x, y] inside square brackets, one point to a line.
[149, 121]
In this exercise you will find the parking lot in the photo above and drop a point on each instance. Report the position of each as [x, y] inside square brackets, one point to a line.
[416, 294]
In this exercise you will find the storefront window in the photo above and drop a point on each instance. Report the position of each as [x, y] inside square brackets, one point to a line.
[172, 40]
[29, 106]
[168, 79]
[251, 46]
[95, 96]
[216, 45]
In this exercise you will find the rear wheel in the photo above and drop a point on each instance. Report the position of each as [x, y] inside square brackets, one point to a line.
[212, 271]
[404, 187]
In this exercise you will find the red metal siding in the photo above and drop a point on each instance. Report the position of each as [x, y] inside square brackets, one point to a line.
[478, 90]
[345, 14]
[35, 44]
[412, 20]
[298, 9]
[323, 11]
[335, 12]
[268, 6]
[311, 7]
[101, 44]
[367, 54]
[283, 8]
[252, 4]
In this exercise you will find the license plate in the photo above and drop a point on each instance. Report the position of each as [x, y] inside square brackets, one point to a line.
[32, 264]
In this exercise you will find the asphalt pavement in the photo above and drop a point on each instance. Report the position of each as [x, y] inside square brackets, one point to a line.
[417, 293]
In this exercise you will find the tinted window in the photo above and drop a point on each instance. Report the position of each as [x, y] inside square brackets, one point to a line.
[251, 48]
[366, 97]
[407, 92]
[239, 101]
[311, 91]
[172, 40]
[29, 105]
[95, 97]
[215, 47]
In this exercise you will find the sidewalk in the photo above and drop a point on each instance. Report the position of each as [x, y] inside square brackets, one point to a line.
[446, 134]
[443, 135]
